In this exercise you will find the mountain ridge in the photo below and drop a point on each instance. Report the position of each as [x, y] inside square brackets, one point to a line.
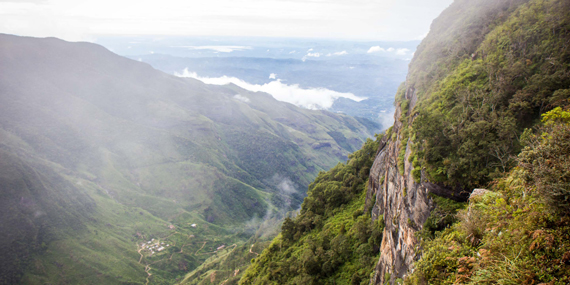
[147, 150]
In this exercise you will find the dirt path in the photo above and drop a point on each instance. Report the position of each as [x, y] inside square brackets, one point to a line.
[200, 248]
[147, 267]
[182, 248]
[171, 235]
[147, 270]
[250, 250]
[139, 249]
[181, 251]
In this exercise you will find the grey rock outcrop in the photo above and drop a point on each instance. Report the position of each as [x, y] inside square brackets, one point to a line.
[403, 204]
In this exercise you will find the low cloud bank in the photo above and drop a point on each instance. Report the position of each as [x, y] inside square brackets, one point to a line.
[400, 51]
[338, 53]
[311, 98]
[217, 48]
[376, 49]
[311, 54]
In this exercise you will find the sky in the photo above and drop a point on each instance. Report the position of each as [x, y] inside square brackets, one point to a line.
[85, 20]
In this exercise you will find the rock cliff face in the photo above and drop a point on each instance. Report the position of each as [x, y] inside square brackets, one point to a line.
[403, 204]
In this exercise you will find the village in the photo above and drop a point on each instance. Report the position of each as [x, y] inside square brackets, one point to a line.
[154, 246]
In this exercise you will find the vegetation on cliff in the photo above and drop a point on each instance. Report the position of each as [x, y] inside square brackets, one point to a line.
[520, 232]
[333, 239]
[505, 63]
[475, 107]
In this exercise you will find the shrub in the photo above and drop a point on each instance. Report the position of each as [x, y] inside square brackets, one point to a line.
[546, 162]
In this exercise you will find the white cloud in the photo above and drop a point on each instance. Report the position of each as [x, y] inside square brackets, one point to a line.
[217, 48]
[376, 49]
[402, 51]
[286, 186]
[314, 54]
[309, 50]
[272, 76]
[338, 53]
[292, 52]
[241, 98]
[311, 98]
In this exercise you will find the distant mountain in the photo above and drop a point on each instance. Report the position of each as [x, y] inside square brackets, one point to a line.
[100, 154]
[372, 77]
[367, 69]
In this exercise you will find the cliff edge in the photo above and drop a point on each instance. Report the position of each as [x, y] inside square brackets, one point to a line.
[485, 72]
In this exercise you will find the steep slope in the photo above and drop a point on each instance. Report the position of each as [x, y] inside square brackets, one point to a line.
[517, 233]
[100, 153]
[486, 71]
[332, 239]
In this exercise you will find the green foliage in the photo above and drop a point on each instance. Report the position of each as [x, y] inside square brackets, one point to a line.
[405, 133]
[226, 266]
[482, 80]
[556, 116]
[511, 235]
[546, 162]
[441, 217]
[332, 238]
[417, 169]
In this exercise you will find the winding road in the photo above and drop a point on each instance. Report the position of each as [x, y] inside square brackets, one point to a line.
[250, 250]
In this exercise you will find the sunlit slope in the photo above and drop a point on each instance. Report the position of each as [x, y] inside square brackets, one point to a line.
[131, 139]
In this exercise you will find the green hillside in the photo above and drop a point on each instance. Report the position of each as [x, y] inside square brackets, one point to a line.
[333, 238]
[476, 91]
[101, 154]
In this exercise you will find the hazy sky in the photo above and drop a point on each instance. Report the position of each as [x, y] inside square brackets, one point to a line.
[337, 19]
